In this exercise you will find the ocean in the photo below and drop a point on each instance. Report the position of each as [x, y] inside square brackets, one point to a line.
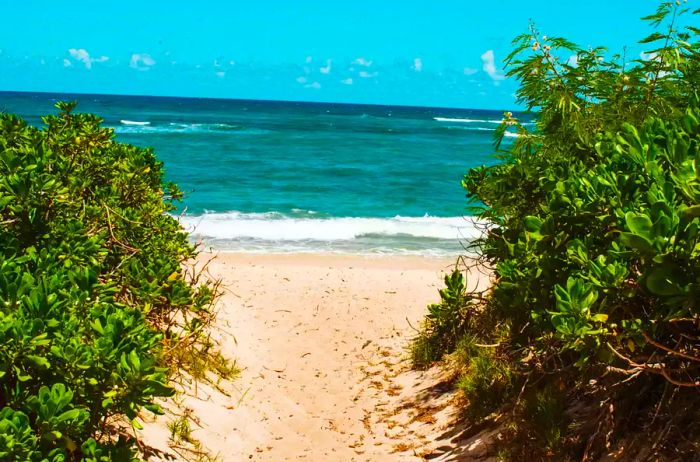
[269, 176]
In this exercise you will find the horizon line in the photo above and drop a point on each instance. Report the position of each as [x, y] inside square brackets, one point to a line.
[209, 98]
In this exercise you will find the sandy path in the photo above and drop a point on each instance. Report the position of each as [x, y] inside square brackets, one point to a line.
[321, 341]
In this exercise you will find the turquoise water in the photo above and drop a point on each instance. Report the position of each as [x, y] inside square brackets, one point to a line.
[278, 176]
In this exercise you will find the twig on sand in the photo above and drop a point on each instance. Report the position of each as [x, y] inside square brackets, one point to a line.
[279, 371]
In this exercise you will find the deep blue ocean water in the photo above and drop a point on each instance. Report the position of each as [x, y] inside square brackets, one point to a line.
[270, 176]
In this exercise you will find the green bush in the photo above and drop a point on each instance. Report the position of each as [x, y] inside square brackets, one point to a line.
[444, 322]
[594, 239]
[91, 289]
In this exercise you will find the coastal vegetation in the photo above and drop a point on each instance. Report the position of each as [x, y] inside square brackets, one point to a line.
[587, 343]
[98, 306]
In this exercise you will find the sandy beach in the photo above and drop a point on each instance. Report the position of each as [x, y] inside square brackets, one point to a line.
[321, 341]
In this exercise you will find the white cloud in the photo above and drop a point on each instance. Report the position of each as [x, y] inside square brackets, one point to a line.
[470, 71]
[362, 62]
[232, 62]
[309, 59]
[490, 66]
[327, 68]
[417, 64]
[301, 79]
[81, 55]
[572, 61]
[141, 61]
[314, 85]
[653, 57]
[347, 81]
[66, 62]
[220, 73]
[368, 75]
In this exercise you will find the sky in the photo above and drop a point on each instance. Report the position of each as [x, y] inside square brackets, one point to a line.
[445, 53]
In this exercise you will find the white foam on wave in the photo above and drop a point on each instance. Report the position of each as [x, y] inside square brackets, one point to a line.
[278, 227]
[472, 129]
[478, 121]
[134, 122]
[178, 127]
[468, 121]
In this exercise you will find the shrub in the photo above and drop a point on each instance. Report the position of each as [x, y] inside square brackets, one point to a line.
[594, 239]
[444, 322]
[91, 288]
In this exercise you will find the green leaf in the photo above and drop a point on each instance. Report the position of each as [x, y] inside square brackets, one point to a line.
[73, 414]
[692, 212]
[136, 424]
[97, 325]
[663, 280]
[600, 317]
[640, 225]
[39, 361]
[532, 224]
[652, 37]
[637, 242]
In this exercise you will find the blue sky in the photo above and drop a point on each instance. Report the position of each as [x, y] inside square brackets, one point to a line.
[431, 53]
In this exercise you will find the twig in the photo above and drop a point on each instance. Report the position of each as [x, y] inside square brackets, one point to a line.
[669, 350]
[279, 371]
[656, 368]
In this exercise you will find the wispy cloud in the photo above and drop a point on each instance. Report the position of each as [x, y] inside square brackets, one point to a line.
[82, 55]
[301, 79]
[220, 74]
[368, 75]
[347, 81]
[362, 62]
[314, 85]
[66, 62]
[417, 64]
[489, 66]
[470, 71]
[327, 68]
[141, 61]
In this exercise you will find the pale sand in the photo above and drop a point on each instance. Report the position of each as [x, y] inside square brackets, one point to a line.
[321, 341]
